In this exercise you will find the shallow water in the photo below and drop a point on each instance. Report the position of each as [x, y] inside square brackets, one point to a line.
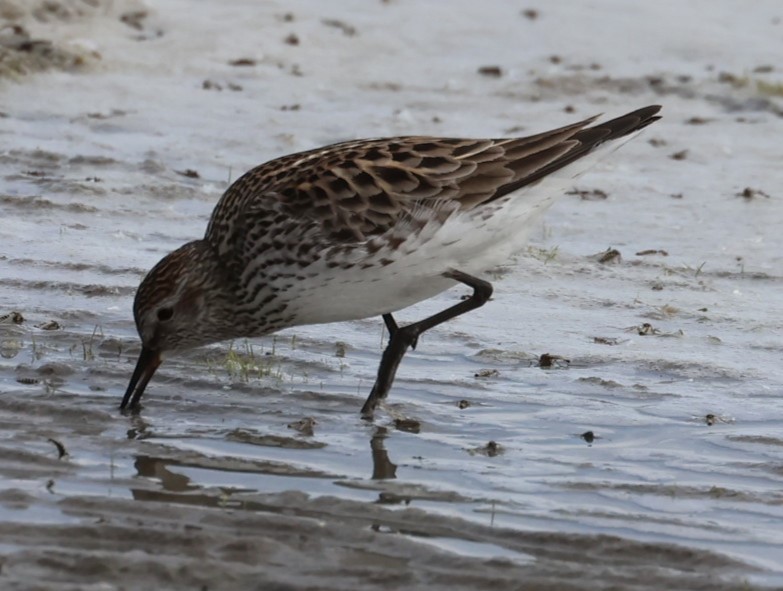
[686, 451]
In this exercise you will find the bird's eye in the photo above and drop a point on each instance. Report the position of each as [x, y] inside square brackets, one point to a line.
[165, 314]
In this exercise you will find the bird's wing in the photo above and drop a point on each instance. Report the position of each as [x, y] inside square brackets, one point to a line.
[358, 189]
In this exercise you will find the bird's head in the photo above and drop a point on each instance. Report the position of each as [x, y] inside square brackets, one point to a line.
[182, 303]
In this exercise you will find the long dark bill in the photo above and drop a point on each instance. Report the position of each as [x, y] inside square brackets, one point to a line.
[148, 362]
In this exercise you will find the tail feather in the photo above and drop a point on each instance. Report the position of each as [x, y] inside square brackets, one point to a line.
[585, 140]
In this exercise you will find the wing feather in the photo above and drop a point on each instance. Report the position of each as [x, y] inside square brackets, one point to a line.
[356, 190]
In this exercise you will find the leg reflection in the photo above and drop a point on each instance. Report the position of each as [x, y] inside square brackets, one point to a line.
[382, 467]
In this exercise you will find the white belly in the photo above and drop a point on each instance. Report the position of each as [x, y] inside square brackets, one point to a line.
[466, 242]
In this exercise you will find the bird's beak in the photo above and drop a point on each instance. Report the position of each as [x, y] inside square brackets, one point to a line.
[148, 362]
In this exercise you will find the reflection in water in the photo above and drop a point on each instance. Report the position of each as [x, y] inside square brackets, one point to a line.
[149, 467]
[382, 467]
[139, 426]
[174, 485]
[179, 487]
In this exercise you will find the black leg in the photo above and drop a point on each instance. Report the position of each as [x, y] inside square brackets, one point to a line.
[391, 326]
[405, 336]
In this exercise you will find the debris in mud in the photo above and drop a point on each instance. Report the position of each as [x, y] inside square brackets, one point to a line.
[28, 381]
[588, 436]
[656, 142]
[189, 173]
[340, 349]
[606, 340]
[491, 71]
[304, 425]
[646, 329]
[589, 194]
[502, 356]
[466, 296]
[650, 251]
[698, 121]
[55, 369]
[293, 107]
[212, 85]
[711, 419]
[681, 155]
[555, 59]
[13, 317]
[408, 425]
[610, 255]
[530, 14]
[244, 436]
[389, 498]
[729, 78]
[610, 384]
[292, 39]
[486, 373]
[61, 451]
[49, 325]
[750, 193]
[491, 449]
[569, 109]
[676, 195]
[242, 62]
[463, 404]
[347, 30]
[548, 361]
[102, 117]
[594, 66]
[20, 54]
[134, 19]
[764, 69]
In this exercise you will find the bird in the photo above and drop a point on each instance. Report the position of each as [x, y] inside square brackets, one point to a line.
[359, 229]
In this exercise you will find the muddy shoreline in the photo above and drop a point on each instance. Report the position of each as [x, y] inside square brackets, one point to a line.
[610, 420]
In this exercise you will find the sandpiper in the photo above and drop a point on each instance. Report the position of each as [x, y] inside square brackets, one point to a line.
[358, 229]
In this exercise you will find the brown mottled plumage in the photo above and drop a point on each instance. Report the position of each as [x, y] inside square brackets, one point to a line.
[358, 229]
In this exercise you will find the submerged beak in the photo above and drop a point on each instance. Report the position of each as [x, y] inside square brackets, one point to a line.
[148, 362]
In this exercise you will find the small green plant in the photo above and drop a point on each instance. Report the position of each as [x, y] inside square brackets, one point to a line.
[544, 254]
[769, 88]
[87, 346]
[244, 365]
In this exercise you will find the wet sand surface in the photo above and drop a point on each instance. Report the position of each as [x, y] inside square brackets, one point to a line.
[643, 453]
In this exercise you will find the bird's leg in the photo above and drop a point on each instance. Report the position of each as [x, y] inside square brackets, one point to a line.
[405, 336]
[391, 326]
